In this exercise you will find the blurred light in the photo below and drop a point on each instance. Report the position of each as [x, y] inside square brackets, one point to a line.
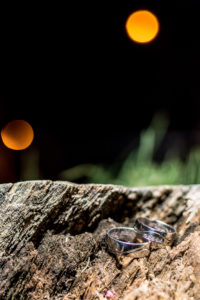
[17, 135]
[142, 26]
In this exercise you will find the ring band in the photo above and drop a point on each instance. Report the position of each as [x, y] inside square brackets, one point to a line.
[166, 231]
[124, 240]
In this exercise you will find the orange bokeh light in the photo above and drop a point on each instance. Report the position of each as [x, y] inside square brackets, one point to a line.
[17, 135]
[142, 26]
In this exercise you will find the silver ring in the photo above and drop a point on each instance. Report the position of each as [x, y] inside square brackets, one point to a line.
[124, 240]
[166, 231]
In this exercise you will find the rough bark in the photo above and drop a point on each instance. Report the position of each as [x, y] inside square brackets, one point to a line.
[52, 242]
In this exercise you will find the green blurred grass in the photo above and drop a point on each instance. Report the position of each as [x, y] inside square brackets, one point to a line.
[139, 168]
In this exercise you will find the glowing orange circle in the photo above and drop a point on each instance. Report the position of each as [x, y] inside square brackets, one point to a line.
[17, 135]
[142, 26]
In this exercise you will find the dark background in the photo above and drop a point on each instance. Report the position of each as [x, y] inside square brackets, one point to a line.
[87, 89]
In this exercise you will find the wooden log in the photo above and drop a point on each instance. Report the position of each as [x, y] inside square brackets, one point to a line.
[52, 242]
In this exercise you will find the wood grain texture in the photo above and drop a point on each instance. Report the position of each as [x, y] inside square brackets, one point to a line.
[52, 242]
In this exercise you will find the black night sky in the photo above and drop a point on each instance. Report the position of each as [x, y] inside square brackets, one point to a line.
[87, 89]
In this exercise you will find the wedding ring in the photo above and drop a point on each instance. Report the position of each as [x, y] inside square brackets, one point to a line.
[124, 240]
[167, 232]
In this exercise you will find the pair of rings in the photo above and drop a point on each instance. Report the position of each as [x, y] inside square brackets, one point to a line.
[124, 240]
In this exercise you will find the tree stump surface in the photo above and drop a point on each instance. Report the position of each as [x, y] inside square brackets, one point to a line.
[52, 242]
